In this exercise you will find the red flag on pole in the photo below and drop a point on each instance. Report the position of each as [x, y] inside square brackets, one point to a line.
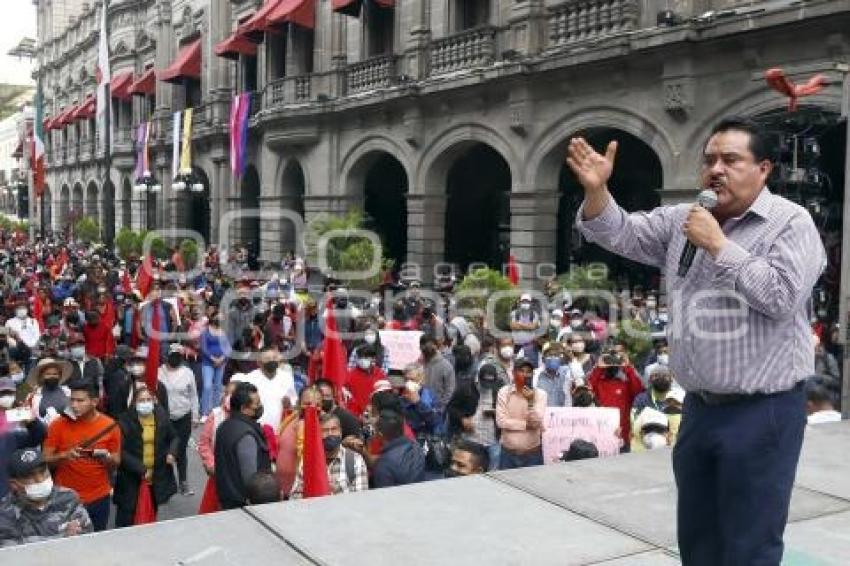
[144, 278]
[313, 465]
[777, 80]
[335, 358]
[513, 271]
[126, 284]
[152, 363]
[38, 312]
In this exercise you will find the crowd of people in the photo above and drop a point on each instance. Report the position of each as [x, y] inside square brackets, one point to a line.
[107, 366]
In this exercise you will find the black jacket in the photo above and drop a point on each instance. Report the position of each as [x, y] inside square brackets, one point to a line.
[401, 462]
[464, 403]
[92, 371]
[232, 491]
[117, 387]
[132, 469]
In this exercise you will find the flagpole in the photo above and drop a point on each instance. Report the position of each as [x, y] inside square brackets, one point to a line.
[106, 136]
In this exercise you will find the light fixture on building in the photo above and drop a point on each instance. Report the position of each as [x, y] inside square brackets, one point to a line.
[147, 184]
[186, 179]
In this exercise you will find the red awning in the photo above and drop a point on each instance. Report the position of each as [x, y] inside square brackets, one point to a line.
[64, 118]
[145, 85]
[236, 45]
[47, 124]
[299, 12]
[352, 7]
[120, 85]
[85, 111]
[187, 65]
[255, 26]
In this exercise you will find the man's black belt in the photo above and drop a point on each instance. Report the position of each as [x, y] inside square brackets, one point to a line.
[710, 398]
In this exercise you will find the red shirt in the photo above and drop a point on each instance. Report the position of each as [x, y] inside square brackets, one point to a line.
[617, 393]
[361, 385]
[99, 339]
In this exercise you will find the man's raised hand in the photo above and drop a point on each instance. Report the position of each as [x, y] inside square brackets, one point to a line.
[592, 169]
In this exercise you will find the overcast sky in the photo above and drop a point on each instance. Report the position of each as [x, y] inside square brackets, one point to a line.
[17, 20]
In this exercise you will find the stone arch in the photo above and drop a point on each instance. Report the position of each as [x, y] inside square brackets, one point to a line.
[47, 213]
[64, 206]
[90, 208]
[249, 199]
[439, 155]
[108, 212]
[290, 191]
[78, 199]
[198, 216]
[546, 156]
[361, 157]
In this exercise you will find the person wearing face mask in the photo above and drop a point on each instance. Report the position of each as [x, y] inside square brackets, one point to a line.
[23, 334]
[117, 382]
[554, 377]
[418, 404]
[525, 325]
[275, 382]
[49, 397]
[615, 383]
[15, 434]
[350, 424]
[662, 361]
[347, 472]
[82, 364]
[179, 389]
[100, 342]
[241, 449]
[439, 373]
[148, 448]
[520, 409]
[214, 350]
[206, 441]
[361, 380]
[372, 339]
[37, 510]
[581, 362]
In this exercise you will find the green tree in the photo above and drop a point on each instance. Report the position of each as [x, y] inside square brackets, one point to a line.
[158, 248]
[351, 250]
[87, 230]
[589, 286]
[189, 253]
[127, 243]
[636, 337]
[476, 289]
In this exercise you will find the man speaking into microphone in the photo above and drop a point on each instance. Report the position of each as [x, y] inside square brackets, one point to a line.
[739, 335]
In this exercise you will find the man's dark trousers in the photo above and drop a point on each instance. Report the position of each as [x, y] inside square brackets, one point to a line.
[734, 465]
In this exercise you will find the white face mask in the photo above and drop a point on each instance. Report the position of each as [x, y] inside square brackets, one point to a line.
[663, 316]
[364, 363]
[370, 338]
[663, 359]
[17, 377]
[137, 370]
[654, 440]
[78, 352]
[578, 347]
[506, 352]
[21, 313]
[651, 304]
[575, 323]
[144, 408]
[525, 306]
[7, 401]
[39, 491]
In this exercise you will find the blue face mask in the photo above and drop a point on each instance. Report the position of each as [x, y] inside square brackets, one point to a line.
[552, 364]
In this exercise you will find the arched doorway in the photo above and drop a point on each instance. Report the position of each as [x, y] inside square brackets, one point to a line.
[126, 204]
[108, 226]
[198, 214]
[64, 207]
[47, 213]
[292, 199]
[635, 184]
[385, 189]
[477, 219]
[77, 201]
[249, 198]
[91, 202]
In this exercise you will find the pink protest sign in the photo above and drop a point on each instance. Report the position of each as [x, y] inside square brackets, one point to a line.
[402, 346]
[562, 425]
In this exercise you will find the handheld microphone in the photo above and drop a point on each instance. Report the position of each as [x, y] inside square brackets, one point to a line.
[708, 200]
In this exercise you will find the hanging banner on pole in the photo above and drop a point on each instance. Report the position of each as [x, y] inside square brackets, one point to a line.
[175, 148]
[186, 154]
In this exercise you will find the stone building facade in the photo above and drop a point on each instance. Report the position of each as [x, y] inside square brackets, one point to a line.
[445, 120]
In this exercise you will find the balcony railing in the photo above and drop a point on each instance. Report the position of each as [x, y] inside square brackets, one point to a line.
[288, 90]
[372, 74]
[586, 20]
[465, 50]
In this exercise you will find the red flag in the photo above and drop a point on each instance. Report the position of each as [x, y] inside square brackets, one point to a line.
[209, 501]
[144, 505]
[144, 278]
[313, 466]
[335, 358]
[152, 363]
[513, 271]
[777, 80]
[38, 312]
[126, 284]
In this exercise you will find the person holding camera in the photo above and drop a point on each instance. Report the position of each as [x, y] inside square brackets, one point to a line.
[615, 383]
[520, 408]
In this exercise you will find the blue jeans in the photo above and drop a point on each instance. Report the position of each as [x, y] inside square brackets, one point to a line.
[211, 395]
[511, 460]
[734, 466]
[99, 513]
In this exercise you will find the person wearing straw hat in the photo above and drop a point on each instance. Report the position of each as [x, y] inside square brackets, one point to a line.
[49, 397]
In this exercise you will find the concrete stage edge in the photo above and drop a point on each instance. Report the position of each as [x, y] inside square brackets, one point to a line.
[618, 511]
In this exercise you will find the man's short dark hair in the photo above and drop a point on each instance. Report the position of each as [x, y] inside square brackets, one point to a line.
[386, 401]
[366, 351]
[480, 455]
[263, 488]
[241, 396]
[326, 382]
[390, 424]
[427, 339]
[580, 450]
[84, 384]
[760, 144]
[325, 417]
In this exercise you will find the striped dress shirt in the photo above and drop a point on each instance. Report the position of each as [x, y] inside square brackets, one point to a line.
[739, 323]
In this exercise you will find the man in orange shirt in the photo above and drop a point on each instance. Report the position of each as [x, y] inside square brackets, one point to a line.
[82, 448]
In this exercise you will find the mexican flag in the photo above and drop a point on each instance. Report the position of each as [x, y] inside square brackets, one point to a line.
[103, 77]
[38, 145]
